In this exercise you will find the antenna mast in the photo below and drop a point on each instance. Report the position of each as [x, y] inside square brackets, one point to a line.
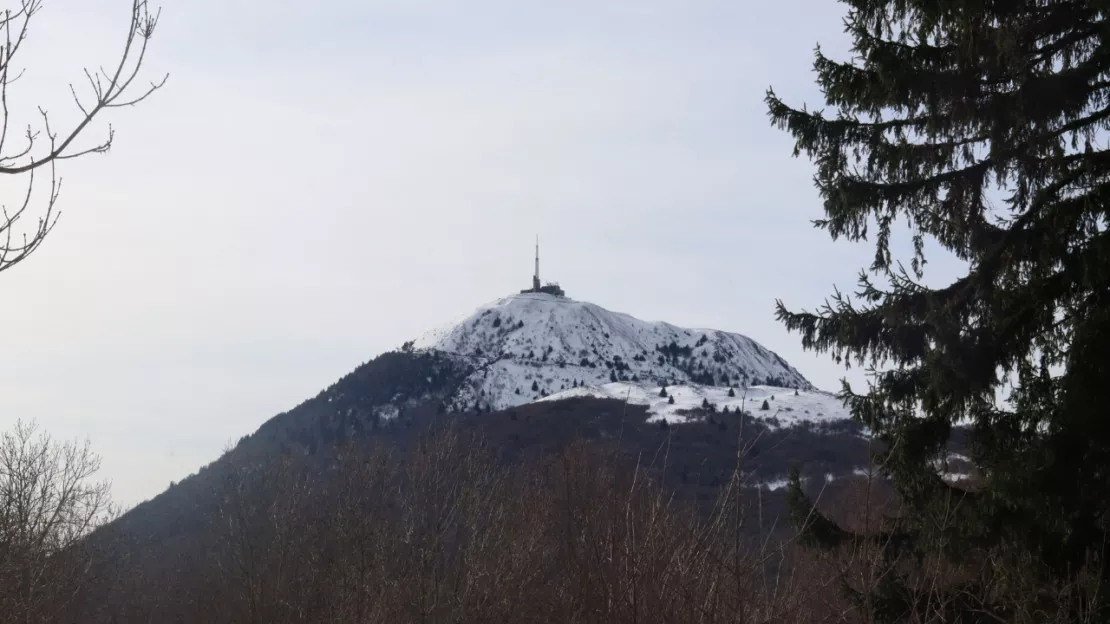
[551, 288]
[536, 277]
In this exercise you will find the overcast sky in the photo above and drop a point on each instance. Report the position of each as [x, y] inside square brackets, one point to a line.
[319, 182]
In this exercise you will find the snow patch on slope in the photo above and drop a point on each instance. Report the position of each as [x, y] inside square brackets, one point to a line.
[785, 409]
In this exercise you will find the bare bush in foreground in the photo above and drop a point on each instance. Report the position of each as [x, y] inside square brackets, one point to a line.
[49, 501]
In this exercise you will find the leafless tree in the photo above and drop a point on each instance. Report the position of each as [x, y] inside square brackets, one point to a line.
[49, 501]
[443, 528]
[259, 539]
[43, 145]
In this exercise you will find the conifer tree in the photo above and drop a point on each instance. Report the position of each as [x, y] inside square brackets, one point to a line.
[981, 126]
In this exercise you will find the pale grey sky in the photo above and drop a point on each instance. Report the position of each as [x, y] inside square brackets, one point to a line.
[319, 182]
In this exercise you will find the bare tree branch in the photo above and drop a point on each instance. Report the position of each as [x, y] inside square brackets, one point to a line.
[108, 90]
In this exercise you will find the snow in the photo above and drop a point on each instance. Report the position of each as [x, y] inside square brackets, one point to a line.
[862, 472]
[532, 346]
[389, 412]
[777, 484]
[875, 473]
[787, 409]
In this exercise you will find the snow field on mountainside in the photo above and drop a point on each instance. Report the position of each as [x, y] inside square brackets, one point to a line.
[783, 406]
[531, 346]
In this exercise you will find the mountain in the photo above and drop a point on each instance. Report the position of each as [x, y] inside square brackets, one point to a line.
[531, 378]
[541, 347]
[533, 345]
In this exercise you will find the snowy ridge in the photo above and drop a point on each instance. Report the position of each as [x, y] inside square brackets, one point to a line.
[530, 346]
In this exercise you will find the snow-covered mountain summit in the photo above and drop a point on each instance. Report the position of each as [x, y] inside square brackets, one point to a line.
[532, 345]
